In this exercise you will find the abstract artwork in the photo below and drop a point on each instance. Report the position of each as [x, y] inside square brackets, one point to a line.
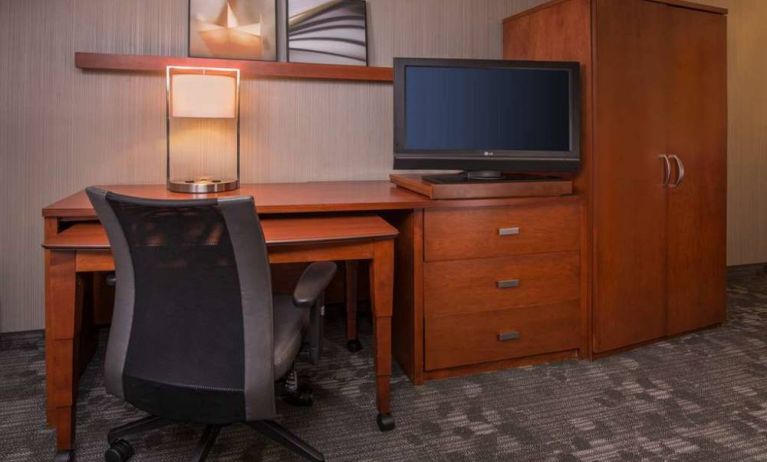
[233, 29]
[327, 32]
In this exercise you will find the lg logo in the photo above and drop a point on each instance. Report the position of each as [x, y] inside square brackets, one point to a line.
[489, 154]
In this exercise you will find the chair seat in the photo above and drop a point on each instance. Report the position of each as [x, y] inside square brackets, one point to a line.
[290, 322]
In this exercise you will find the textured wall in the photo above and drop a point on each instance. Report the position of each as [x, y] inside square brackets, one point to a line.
[62, 129]
[747, 144]
[747, 134]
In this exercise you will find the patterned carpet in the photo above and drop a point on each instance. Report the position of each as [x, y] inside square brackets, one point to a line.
[702, 397]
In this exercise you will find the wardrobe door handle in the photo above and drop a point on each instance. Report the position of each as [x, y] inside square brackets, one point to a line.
[666, 169]
[680, 168]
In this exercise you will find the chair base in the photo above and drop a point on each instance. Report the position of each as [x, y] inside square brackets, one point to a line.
[121, 451]
[137, 426]
[206, 442]
[294, 392]
[278, 434]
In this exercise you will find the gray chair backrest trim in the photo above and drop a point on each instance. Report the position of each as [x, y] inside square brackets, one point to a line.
[122, 318]
[258, 317]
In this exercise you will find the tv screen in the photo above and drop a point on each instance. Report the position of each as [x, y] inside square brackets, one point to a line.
[486, 115]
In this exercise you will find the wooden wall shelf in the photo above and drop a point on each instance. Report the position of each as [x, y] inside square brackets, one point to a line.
[249, 69]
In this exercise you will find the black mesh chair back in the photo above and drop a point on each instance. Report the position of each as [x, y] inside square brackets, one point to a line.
[192, 330]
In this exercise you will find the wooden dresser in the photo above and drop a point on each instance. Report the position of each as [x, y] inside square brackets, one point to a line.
[486, 287]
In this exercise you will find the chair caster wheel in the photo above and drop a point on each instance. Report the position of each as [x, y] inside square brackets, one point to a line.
[64, 456]
[302, 397]
[353, 345]
[385, 422]
[119, 451]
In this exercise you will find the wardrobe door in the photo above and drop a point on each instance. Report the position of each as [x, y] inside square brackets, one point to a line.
[629, 192]
[697, 134]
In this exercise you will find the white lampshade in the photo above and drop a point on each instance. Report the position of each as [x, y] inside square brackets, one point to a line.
[203, 96]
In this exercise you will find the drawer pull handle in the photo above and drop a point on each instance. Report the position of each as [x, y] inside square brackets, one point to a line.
[507, 284]
[508, 231]
[508, 336]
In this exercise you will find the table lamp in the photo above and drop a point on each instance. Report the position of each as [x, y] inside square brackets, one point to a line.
[203, 129]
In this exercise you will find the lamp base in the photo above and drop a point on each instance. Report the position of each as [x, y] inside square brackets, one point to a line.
[203, 185]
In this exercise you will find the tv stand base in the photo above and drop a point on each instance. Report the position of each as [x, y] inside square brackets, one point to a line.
[484, 177]
[462, 186]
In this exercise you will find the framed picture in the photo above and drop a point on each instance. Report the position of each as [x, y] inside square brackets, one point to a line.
[233, 29]
[327, 31]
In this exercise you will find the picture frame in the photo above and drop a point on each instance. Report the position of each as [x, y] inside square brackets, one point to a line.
[233, 29]
[327, 32]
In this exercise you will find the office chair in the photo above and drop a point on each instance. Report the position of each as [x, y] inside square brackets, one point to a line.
[197, 335]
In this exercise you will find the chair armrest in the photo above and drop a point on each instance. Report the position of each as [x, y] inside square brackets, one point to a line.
[313, 283]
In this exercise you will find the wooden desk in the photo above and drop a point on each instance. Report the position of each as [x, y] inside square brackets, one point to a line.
[479, 240]
[75, 243]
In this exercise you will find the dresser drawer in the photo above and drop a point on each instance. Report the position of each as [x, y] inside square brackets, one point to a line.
[491, 284]
[452, 234]
[464, 339]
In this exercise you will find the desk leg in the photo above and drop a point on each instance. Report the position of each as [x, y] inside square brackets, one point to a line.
[61, 294]
[381, 294]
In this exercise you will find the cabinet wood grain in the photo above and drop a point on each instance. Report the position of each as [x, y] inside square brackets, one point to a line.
[543, 226]
[472, 286]
[697, 218]
[630, 197]
[469, 339]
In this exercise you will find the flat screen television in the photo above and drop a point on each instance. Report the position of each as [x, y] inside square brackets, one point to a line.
[486, 117]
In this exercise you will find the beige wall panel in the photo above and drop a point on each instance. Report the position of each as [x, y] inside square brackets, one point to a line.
[747, 133]
[62, 129]
[747, 138]
[35, 146]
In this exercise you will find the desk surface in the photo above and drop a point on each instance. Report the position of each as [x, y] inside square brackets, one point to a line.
[277, 231]
[287, 198]
[337, 196]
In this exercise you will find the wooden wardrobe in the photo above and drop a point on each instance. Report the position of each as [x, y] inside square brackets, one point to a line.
[655, 154]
